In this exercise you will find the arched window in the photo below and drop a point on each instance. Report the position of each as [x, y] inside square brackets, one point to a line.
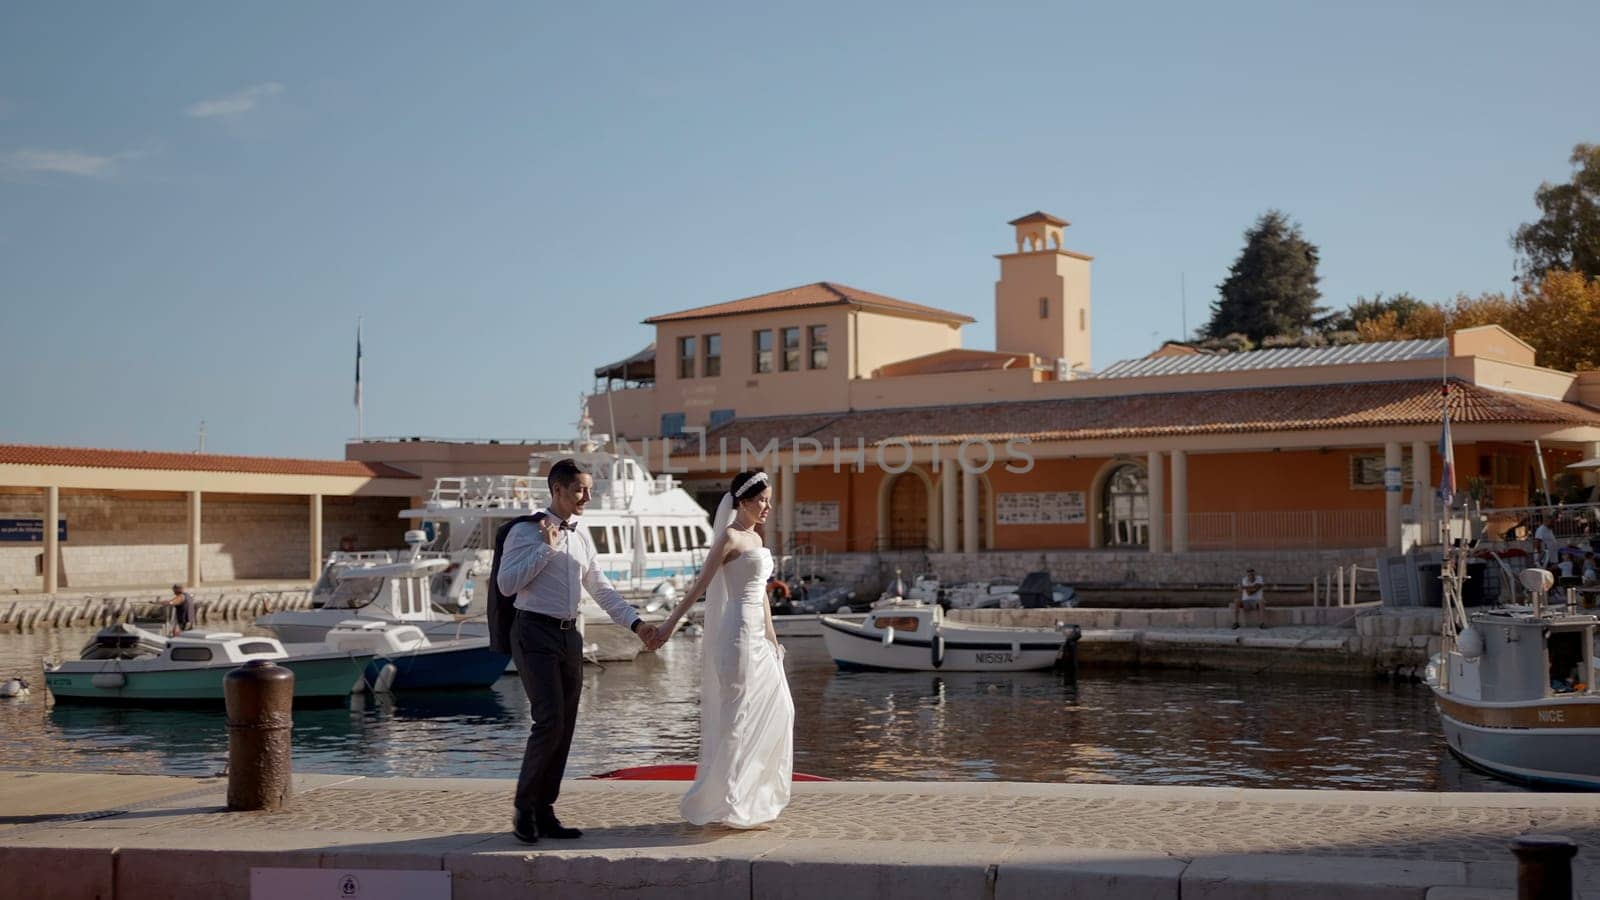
[1125, 504]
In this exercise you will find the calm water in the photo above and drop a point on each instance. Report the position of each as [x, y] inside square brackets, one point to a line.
[1112, 726]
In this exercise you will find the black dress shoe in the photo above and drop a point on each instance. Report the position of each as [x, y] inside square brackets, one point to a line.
[523, 828]
[551, 827]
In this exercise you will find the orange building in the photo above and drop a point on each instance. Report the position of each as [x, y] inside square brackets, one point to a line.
[883, 432]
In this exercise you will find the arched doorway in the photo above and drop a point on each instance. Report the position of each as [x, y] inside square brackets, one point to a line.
[908, 513]
[1125, 507]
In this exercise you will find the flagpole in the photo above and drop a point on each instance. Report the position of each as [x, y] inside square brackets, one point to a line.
[361, 424]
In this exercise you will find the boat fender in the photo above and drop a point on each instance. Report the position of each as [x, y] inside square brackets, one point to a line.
[937, 645]
[1470, 643]
[888, 636]
[385, 680]
[108, 679]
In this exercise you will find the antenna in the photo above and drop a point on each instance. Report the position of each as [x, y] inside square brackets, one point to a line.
[202, 448]
[1183, 303]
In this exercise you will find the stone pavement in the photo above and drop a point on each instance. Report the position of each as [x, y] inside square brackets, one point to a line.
[131, 837]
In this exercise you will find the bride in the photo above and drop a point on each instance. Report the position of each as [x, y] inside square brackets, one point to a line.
[746, 715]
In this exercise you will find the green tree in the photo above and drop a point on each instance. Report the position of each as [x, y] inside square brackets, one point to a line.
[1403, 305]
[1567, 235]
[1271, 289]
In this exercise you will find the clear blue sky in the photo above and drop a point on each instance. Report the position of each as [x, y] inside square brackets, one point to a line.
[197, 200]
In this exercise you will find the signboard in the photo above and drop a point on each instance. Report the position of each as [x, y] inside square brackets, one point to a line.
[349, 884]
[29, 530]
[816, 515]
[1041, 508]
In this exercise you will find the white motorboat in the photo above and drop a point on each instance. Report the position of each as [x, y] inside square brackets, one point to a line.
[915, 636]
[1515, 686]
[1037, 590]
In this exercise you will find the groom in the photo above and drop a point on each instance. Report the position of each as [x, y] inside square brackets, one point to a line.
[545, 564]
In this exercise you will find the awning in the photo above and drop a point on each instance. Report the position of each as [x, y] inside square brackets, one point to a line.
[639, 367]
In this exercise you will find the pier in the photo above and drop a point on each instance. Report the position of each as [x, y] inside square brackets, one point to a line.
[128, 837]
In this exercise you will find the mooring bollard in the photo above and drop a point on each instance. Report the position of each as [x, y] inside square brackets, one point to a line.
[260, 699]
[1544, 866]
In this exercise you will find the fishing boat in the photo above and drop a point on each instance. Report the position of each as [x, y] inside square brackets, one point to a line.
[190, 668]
[910, 635]
[405, 659]
[1515, 685]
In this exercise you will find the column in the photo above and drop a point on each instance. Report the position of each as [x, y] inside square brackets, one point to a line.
[1422, 489]
[786, 503]
[1156, 483]
[52, 540]
[969, 511]
[949, 481]
[1180, 501]
[1391, 495]
[316, 536]
[193, 578]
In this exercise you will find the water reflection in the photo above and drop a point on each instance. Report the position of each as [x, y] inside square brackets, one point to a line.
[1110, 726]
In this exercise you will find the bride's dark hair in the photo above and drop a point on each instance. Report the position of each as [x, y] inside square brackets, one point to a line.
[746, 485]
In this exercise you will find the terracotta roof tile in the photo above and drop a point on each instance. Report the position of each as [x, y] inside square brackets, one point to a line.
[822, 293]
[1038, 216]
[85, 457]
[1248, 410]
[956, 360]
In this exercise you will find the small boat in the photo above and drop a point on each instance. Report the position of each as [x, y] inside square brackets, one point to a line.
[191, 666]
[418, 662]
[1515, 686]
[670, 772]
[915, 636]
[15, 689]
[123, 641]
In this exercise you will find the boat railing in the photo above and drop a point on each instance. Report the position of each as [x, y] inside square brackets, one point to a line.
[489, 492]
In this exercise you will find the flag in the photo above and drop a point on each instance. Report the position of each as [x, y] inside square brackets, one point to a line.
[358, 364]
[1447, 454]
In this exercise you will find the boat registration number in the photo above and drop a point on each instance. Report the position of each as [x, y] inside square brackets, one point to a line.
[987, 656]
[58, 681]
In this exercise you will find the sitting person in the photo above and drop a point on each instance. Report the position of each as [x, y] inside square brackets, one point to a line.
[1251, 596]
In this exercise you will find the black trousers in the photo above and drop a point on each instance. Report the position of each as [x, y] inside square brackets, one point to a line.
[550, 663]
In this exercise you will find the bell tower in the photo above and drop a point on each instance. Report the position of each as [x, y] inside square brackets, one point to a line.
[1041, 302]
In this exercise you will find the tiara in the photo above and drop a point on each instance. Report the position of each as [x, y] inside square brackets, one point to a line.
[756, 480]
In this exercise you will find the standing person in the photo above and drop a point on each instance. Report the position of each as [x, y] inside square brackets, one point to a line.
[1544, 544]
[746, 713]
[1252, 595]
[545, 565]
[182, 603]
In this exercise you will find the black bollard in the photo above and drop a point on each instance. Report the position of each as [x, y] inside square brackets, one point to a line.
[260, 698]
[1544, 866]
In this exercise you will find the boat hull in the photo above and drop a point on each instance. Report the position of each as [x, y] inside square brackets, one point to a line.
[852, 649]
[1544, 754]
[443, 667]
[326, 679]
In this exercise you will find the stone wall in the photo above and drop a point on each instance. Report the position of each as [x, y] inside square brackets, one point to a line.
[125, 539]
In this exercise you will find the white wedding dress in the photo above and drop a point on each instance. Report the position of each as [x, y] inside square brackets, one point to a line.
[746, 714]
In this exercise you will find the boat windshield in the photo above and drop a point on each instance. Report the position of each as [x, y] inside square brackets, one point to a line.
[342, 590]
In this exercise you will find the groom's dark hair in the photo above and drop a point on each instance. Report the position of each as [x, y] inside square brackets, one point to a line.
[563, 474]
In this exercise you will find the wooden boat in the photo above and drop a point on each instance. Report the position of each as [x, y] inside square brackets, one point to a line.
[914, 636]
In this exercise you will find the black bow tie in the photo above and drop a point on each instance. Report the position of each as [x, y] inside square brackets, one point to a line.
[568, 526]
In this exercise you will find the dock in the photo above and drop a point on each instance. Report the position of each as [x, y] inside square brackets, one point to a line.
[129, 837]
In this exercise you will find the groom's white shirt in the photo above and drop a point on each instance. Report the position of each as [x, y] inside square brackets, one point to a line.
[548, 580]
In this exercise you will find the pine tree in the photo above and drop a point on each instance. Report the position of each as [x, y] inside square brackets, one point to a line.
[1271, 290]
[1567, 235]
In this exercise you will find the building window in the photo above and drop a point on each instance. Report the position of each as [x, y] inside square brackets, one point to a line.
[686, 357]
[791, 349]
[819, 346]
[1044, 307]
[1366, 471]
[720, 416]
[763, 358]
[713, 364]
[672, 424]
